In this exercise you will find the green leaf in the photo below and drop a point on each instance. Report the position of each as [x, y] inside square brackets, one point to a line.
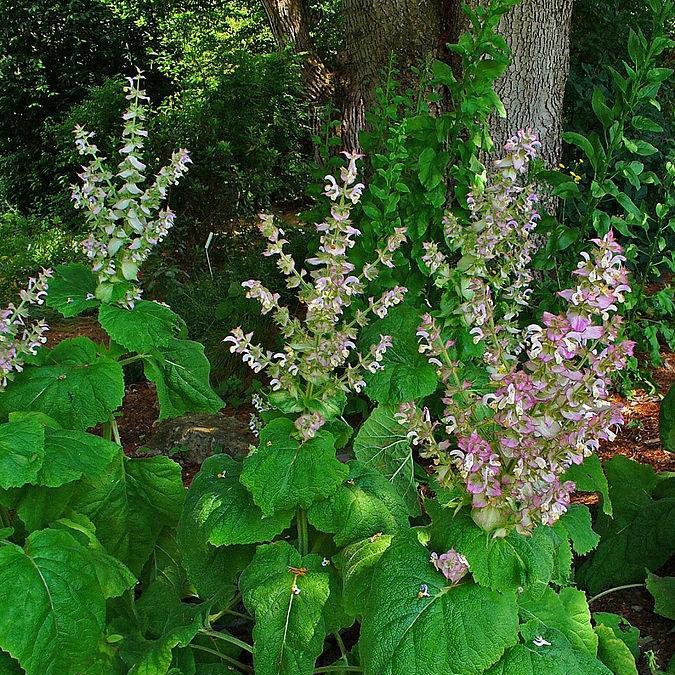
[583, 143]
[614, 653]
[578, 526]
[363, 506]
[72, 289]
[667, 420]
[640, 535]
[406, 374]
[642, 123]
[75, 384]
[557, 659]
[602, 112]
[564, 614]
[181, 375]
[289, 627]
[22, 452]
[622, 629]
[130, 504]
[69, 455]
[507, 563]
[221, 508]
[53, 606]
[449, 631]
[663, 591]
[589, 477]
[382, 444]
[358, 562]
[635, 47]
[283, 474]
[143, 329]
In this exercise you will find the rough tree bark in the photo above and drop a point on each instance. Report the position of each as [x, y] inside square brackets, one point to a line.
[533, 87]
[373, 29]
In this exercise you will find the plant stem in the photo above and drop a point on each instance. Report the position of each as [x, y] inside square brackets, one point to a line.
[131, 359]
[107, 431]
[226, 637]
[237, 664]
[303, 536]
[330, 669]
[115, 431]
[342, 647]
[612, 590]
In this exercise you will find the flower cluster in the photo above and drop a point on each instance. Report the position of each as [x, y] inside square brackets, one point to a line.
[319, 360]
[19, 338]
[453, 565]
[496, 246]
[511, 447]
[126, 220]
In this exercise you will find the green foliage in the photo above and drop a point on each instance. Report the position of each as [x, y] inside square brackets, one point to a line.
[614, 653]
[667, 421]
[405, 633]
[640, 533]
[663, 591]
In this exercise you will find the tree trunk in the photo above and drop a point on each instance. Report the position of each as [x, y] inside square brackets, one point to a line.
[533, 87]
[289, 23]
[374, 30]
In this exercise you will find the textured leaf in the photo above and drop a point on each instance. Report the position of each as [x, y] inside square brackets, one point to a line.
[38, 506]
[663, 591]
[589, 477]
[181, 375]
[75, 385]
[289, 628]
[382, 444]
[407, 375]
[130, 503]
[503, 564]
[53, 607]
[71, 290]
[143, 329]
[365, 504]
[613, 652]
[641, 533]
[557, 659]
[578, 526]
[565, 613]
[223, 510]
[622, 629]
[667, 420]
[22, 451]
[69, 455]
[282, 474]
[357, 563]
[461, 630]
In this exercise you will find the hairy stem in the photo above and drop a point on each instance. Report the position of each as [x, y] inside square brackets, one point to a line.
[303, 535]
[226, 637]
[233, 662]
[613, 590]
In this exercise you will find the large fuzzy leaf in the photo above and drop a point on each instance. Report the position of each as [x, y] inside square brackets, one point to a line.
[22, 452]
[382, 444]
[507, 563]
[565, 613]
[282, 474]
[614, 653]
[70, 454]
[628, 634]
[53, 607]
[181, 373]
[365, 504]
[145, 328]
[577, 525]
[72, 289]
[289, 626]
[358, 563]
[406, 375]
[641, 533]
[663, 592]
[222, 509]
[461, 630]
[589, 477]
[74, 383]
[130, 504]
[555, 659]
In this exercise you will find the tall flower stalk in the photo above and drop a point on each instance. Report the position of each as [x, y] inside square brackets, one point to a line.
[548, 405]
[125, 217]
[319, 361]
